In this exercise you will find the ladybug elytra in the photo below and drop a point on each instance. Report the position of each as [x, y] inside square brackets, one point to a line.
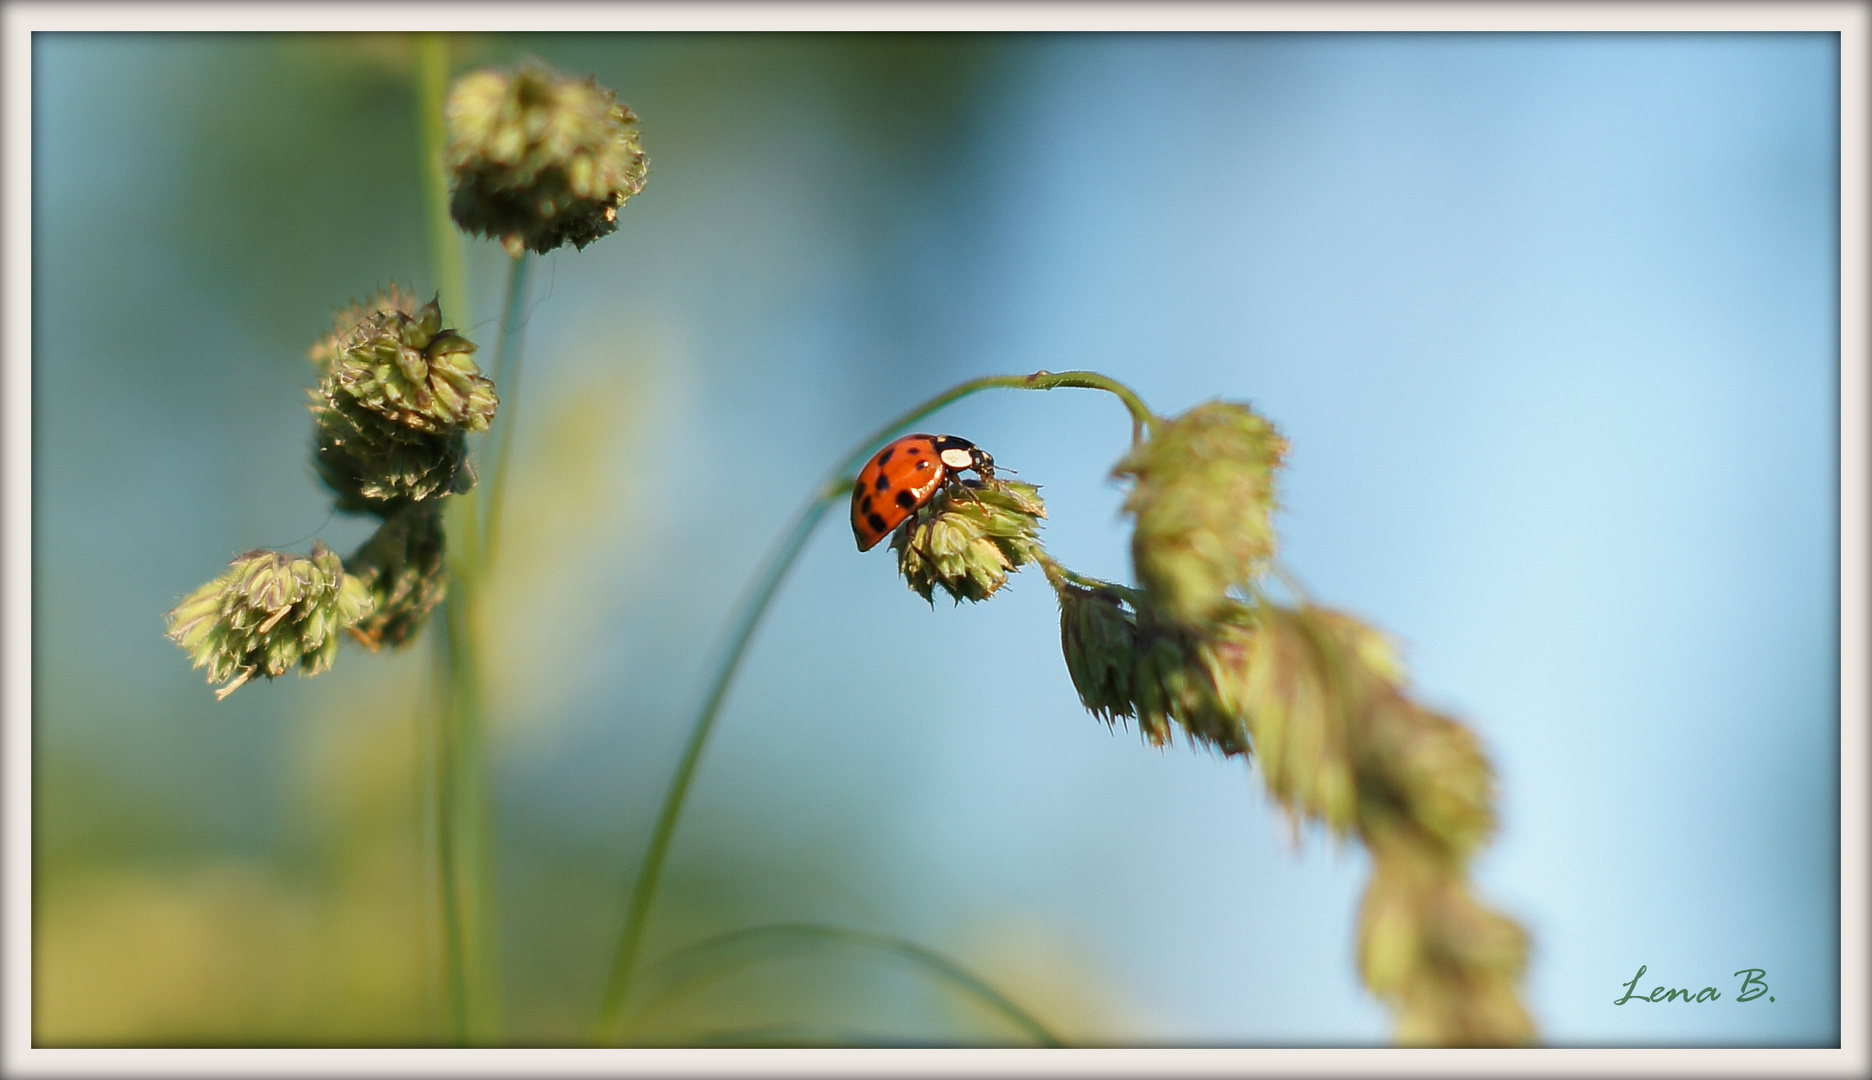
[904, 476]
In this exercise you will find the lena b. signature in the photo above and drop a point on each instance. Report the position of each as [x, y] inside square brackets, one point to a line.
[1754, 985]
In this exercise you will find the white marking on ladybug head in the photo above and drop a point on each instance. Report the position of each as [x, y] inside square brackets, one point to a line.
[957, 459]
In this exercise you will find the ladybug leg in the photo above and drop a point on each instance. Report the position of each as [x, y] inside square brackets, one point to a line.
[969, 488]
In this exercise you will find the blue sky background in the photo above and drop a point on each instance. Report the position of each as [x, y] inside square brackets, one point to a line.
[1549, 322]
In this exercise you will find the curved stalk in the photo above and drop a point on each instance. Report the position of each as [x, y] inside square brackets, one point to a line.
[1059, 574]
[917, 956]
[753, 606]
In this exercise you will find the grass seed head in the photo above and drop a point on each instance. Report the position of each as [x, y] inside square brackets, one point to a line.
[1417, 766]
[1175, 681]
[402, 566]
[1203, 499]
[349, 318]
[1099, 639]
[270, 612]
[1447, 964]
[409, 370]
[537, 160]
[967, 539]
[375, 466]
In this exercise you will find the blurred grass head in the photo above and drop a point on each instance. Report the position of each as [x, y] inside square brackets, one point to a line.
[1203, 497]
[402, 566]
[537, 160]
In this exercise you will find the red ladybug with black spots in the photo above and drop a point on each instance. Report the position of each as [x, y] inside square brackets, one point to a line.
[904, 476]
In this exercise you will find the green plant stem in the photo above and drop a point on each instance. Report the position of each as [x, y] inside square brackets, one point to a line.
[464, 864]
[464, 826]
[506, 376]
[1059, 574]
[442, 781]
[449, 776]
[445, 255]
[753, 605]
[445, 263]
[926, 961]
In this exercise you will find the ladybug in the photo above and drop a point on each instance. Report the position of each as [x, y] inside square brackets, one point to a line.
[904, 476]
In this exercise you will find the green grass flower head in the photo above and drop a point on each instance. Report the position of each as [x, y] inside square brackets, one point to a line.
[537, 160]
[375, 466]
[408, 369]
[1098, 637]
[1203, 498]
[1445, 962]
[348, 318]
[1125, 662]
[1301, 680]
[402, 566]
[1175, 682]
[1419, 767]
[269, 613]
[397, 395]
[968, 538]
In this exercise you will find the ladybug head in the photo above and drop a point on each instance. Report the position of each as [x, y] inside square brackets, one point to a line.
[960, 454]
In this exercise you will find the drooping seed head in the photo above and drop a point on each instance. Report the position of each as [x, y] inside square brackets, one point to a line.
[1203, 499]
[1419, 767]
[1099, 639]
[1447, 964]
[1302, 681]
[1175, 681]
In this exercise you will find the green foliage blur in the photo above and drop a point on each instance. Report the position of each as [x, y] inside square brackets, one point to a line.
[261, 871]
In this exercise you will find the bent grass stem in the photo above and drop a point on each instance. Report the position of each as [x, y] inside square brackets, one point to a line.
[921, 959]
[753, 606]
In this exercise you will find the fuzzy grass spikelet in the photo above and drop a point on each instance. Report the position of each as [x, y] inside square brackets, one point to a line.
[269, 613]
[1419, 767]
[411, 371]
[348, 318]
[537, 160]
[1099, 639]
[375, 466]
[1300, 680]
[1175, 681]
[1447, 965]
[968, 538]
[1203, 498]
[397, 396]
[402, 566]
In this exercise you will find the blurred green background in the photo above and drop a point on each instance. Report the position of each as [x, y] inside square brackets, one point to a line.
[1548, 321]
